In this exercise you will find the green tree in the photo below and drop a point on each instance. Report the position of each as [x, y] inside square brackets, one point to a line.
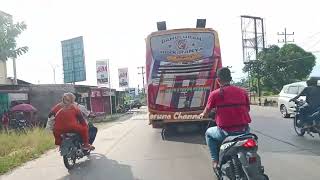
[242, 83]
[276, 66]
[9, 32]
[127, 98]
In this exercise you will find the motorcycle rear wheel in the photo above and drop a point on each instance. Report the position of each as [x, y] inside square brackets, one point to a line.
[297, 129]
[69, 162]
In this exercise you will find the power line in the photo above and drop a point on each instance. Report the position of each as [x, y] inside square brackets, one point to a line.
[314, 44]
[316, 51]
[313, 35]
[290, 60]
[307, 39]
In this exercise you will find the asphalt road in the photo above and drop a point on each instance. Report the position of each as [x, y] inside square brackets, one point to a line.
[132, 150]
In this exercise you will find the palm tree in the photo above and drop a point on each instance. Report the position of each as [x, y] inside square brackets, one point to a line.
[8, 34]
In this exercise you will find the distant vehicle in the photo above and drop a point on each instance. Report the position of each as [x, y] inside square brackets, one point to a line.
[288, 92]
[135, 104]
[301, 126]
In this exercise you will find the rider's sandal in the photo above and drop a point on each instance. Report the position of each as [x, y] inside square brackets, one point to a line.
[91, 148]
[215, 170]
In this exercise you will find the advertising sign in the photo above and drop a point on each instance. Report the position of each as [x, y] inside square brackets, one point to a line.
[123, 77]
[102, 72]
[182, 47]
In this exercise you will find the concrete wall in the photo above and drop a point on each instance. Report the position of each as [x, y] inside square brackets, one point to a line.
[44, 97]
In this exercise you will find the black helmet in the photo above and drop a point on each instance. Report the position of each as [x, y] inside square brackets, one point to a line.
[224, 74]
[313, 81]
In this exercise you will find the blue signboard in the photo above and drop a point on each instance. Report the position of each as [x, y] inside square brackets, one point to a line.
[132, 92]
[74, 68]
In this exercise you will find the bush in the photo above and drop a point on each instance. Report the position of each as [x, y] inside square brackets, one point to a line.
[268, 93]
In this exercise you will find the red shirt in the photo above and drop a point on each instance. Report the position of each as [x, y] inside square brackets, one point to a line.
[66, 118]
[232, 108]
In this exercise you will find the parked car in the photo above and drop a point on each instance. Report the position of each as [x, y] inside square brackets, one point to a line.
[288, 92]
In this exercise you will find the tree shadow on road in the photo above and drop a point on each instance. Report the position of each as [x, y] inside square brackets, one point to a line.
[99, 167]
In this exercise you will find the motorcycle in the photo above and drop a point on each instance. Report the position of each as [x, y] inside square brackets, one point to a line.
[239, 160]
[123, 108]
[300, 126]
[20, 126]
[71, 149]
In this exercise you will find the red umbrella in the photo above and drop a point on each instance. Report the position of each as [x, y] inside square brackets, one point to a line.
[24, 108]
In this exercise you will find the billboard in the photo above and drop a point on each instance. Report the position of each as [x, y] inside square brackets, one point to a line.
[123, 77]
[74, 68]
[102, 68]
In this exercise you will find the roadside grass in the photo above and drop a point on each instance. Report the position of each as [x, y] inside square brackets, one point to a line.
[16, 149]
[108, 118]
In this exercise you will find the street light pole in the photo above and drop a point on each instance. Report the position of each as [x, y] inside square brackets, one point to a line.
[54, 72]
[14, 72]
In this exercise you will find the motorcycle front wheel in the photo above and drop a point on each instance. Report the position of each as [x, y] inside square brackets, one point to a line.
[21, 130]
[265, 177]
[69, 162]
[297, 126]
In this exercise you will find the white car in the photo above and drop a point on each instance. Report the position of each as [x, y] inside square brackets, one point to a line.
[288, 92]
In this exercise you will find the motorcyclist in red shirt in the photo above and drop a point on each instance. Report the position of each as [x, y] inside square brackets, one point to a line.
[232, 113]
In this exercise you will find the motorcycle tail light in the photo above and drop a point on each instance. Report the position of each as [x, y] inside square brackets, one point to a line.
[250, 143]
[252, 160]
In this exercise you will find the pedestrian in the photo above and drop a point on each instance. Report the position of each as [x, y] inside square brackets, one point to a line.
[5, 121]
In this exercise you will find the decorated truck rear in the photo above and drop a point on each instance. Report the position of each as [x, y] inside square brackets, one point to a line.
[181, 66]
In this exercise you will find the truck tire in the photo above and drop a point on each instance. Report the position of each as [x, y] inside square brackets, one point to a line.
[157, 124]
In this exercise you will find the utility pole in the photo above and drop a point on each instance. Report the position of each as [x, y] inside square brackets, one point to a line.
[110, 91]
[286, 35]
[54, 75]
[142, 73]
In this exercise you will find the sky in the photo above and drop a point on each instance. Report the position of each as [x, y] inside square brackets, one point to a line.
[116, 30]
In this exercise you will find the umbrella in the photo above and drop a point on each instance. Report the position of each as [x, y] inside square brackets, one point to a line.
[24, 108]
